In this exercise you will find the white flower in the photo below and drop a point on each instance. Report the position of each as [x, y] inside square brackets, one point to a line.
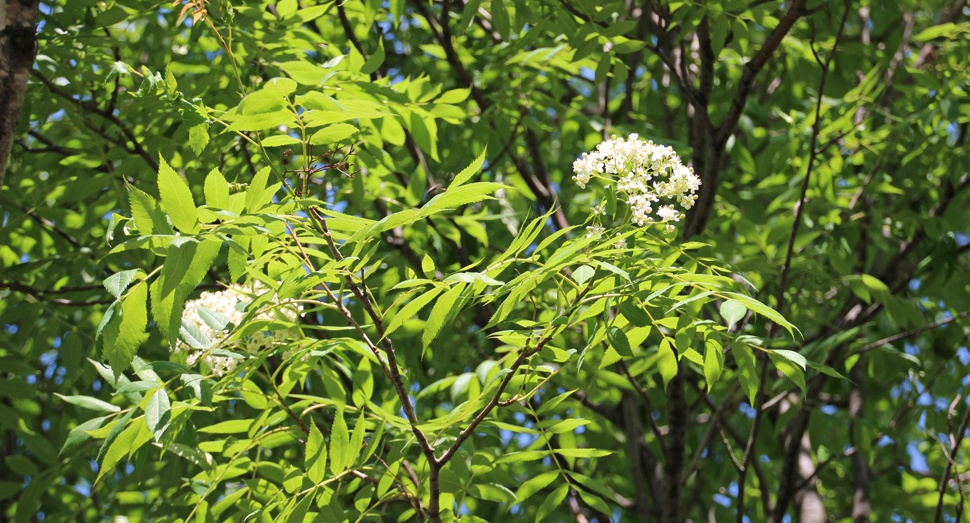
[621, 243]
[594, 231]
[224, 303]
[645, 172]
[668, 213]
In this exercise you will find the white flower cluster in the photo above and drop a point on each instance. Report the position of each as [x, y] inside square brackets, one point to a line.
[645, 172]
[224, 303]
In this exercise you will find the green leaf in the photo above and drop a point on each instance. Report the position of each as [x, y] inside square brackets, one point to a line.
[136, 386]
[732, 311]
[333, 134]
[89, 403]
[618, 341]
[747, 372]
[667, 361]
[119, 281]
[149, 218]
[228, 427]
[340, 451]
[158, 415]
[134, 320]
[117, 429]
[455, 96]
[583, 453]
[256, 189]
[713, 362]
[442, 311]
[374, 61]
[215, 320]
[177, 199]
[280, 141]
[583, 273]
[467, 173]
[794, 371]
[413, 307]
[216, 190]
[79, 434]
[193, 336]
[552, 501]
[316, 455]
[535, 484]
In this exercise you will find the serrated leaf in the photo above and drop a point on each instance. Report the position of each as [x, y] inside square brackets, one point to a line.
[535, 484]
[316, 455]
[119, 281]
[117, 429]
[158, 415]
[618, 341]
[215, 320]
[192, 335]
[254, 194]
[177, 198]
[552, 501]
[469, 171]
[131, 334]
[340, 451]
[216, 190]
[149, 218]
[89, 403]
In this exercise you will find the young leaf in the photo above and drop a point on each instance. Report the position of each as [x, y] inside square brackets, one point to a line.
[216, 190]
[583, 273]
[732, 311]
[316, 455]
[177, 199]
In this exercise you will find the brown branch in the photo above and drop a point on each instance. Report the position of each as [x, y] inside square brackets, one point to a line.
[907, 334]
[816, 127]
[697, 219]
[946, 473]
[136, 147]
[752, 437]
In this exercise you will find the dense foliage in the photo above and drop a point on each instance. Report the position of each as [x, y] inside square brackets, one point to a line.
[315, 261]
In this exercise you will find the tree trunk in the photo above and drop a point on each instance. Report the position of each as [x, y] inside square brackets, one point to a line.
[18, 48]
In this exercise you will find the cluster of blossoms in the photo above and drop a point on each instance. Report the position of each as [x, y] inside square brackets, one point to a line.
[225, 303]
[645, 172]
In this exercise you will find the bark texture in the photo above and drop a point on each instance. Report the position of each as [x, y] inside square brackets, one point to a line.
[18, 48]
